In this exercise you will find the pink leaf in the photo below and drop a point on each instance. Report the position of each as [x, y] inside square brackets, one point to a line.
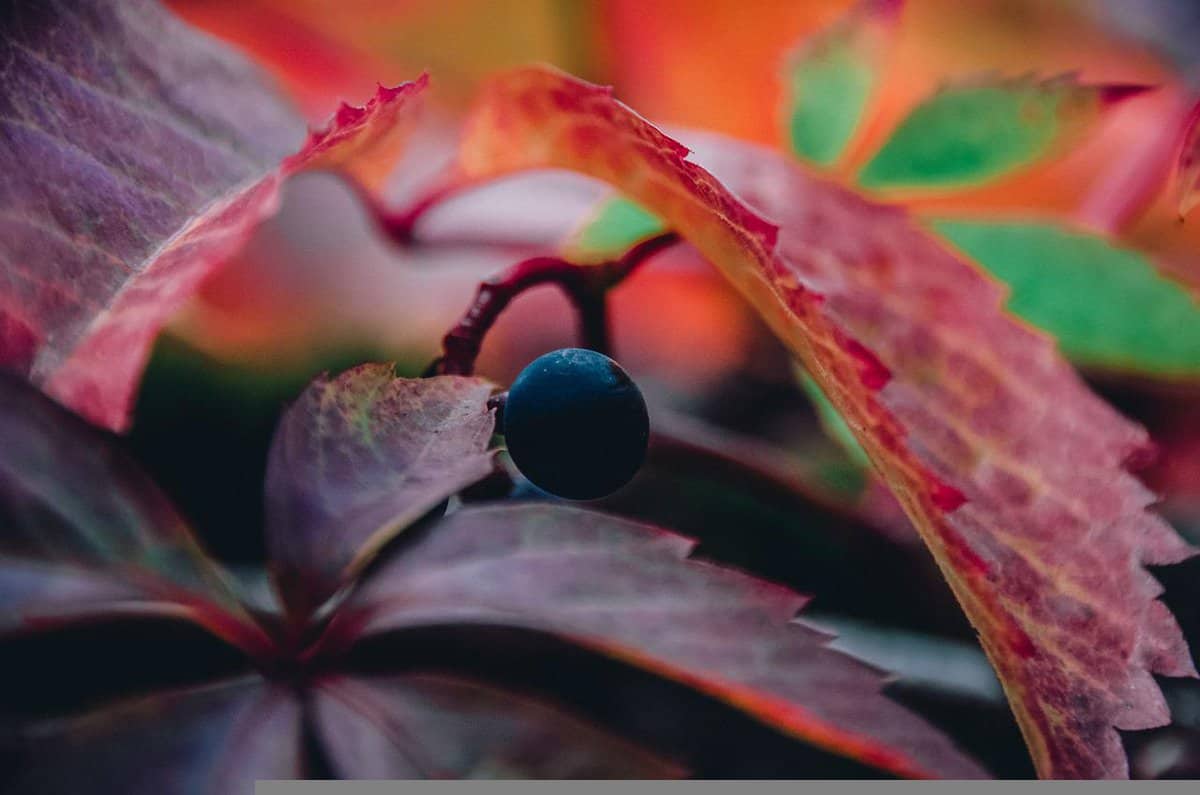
[139, 156]
[357, 459]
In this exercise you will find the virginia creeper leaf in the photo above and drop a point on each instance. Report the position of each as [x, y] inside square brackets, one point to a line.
[208, 740]
[138, 157]
[412, 726]
[624, 590]
[1189, 165]
[1013, 472]
[358, 458]
[832, 75]
[979, 131]
[86, 534]
[1108, 306]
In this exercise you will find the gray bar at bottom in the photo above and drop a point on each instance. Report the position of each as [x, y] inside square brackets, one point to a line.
[722, 787]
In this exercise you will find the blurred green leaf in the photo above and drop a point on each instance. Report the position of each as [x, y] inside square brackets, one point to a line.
[832, 421]
[832, 75]
[615, 226]
[1108, 306]
[971, 133]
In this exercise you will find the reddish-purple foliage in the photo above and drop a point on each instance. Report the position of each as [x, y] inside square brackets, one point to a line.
[380, 452]
[1012, 470]
[157, 154]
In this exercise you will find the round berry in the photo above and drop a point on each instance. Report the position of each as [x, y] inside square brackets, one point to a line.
[575, 424]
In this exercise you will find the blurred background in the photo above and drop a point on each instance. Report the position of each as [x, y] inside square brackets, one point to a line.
[748, 465]
[717, 65]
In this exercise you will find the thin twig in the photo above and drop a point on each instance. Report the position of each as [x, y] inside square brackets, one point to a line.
[585, 285]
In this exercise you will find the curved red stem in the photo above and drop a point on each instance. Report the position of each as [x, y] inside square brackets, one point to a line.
[585, 285]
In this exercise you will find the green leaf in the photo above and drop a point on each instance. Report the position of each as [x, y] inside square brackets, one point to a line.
[832, 76]
[615, 226]
[975, 132]
[832, 421]
[1108, 306]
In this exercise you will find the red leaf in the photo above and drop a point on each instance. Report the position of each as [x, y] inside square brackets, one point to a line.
[357, 459]
[1010, 468]
[139, 156]
[211, 740]
[423, 726]
[87, 534]
[624, 590]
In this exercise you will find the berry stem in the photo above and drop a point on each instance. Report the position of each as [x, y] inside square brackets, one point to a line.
[586, 286]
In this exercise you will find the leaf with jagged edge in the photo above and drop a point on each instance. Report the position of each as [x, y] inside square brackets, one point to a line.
[1011, 469]
[1108, 306]
[627, 591]
[139, 156]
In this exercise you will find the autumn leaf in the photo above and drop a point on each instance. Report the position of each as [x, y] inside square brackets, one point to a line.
[139, 157]
[381, 447]
[1013, 472]
[360, 457]
[832, 76]
[1074, 284]
[623, 590]
[88, 535]
[980, 130]
[1108, 306]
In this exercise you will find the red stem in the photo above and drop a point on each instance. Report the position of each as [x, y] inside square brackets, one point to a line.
[401, 225]
[585, 285]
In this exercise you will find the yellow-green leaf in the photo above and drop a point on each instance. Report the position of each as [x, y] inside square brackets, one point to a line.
[1108, 306]
[831, 78]
[978, 131]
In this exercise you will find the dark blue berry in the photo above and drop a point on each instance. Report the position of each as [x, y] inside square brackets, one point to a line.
[575, 424]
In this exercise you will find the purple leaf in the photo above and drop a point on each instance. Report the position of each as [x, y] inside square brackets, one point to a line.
[357, 459]
[426, 726]
[87, 534]
[138, 156]
[625, 590]
[36, 596]
[211, 740]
